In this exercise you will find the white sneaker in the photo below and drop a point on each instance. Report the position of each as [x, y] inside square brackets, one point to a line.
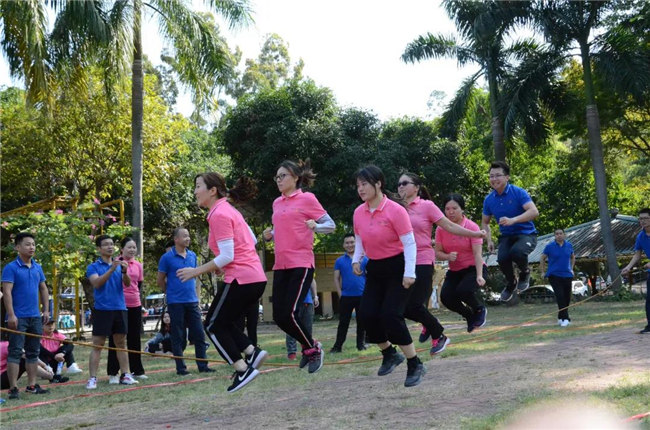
[559, 321]
[92, 384]
[127, 379]
[114, 379]
[565, 323]
[143, 376]
[73, 368]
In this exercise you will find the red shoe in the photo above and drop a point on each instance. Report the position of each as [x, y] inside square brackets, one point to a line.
[292, 356]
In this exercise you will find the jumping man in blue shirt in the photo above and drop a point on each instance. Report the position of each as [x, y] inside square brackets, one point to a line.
[514, 211]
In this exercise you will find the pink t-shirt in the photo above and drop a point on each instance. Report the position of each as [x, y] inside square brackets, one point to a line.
[423, 214]
[131, 292]
[52, 345]
[294, 241]
[4, 353]
[227, 223]
[381, 229]
[462, 245]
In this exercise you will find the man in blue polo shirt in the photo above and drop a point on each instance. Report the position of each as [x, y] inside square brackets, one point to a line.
[182, 301]
[350, 288]
[107, 275]
[514, 211]
[22, 283]
[561, 260]
[642, 244]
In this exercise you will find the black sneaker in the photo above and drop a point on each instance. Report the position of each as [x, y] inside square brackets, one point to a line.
[183, 373]
[36, 389]
[240, 379]
[415, 372]
[439, 345]
[256, 359]
[524, 281]
[362, 347]
[646, 330]
[470, 324]
[480, 318]
[506, 295]
[391, 360]
[207, 370]
[14, 393]
[424, 335]
[58, 379]
[335, 350]
[304, 361]
[315, 356]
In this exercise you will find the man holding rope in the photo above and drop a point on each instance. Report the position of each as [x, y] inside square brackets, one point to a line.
[642, 244]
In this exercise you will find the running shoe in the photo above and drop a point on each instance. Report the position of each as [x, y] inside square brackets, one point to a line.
[565, 323]
[480, 317]
[36, 389]
[315, 356]
[206, 370]
[414, 373]
[335, 350]
[58, 379]
[142, 376]
[241, 379]
[256, 359]
[113, 379]
[127, 379]
[470, 324]
[73, 368]
[439, 345]
[291, 356]
[14, 393]
[524, 281]
[424, 335]
[646, 330]
[391, 360]
[304, 360]
[506, 295]
[92, 383]
[183, 372]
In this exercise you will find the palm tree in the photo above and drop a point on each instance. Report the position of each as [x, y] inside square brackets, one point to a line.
[618, 60]
[483, 27]
[110, 33]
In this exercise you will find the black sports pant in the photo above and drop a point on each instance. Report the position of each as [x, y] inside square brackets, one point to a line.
[133, 343]
[290, 287]
[346, 305]
[458, 292]
[416, 309]
[562, 289]
[514, 249]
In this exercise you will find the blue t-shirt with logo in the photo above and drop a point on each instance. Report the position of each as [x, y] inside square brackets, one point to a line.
[110, 296]
[351, 284]
[26, 281]
[642, 243]
[510, 204]
[177, 291]
[559, 259]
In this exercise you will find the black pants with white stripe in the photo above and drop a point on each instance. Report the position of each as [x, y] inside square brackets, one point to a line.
[290, 287]
[221, 321]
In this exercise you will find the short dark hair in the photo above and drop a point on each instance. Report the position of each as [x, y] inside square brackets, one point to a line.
[456, 198]
[177, 230]
[20, 236]
[644, 211]
[348, 235]
[501, 165]
[126, 240]
[558, 228]
[102, 237]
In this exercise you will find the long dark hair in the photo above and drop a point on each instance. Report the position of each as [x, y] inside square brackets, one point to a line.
[372, 175]
[165, 328]
[423, 192]
[302, 170]
[245, 188]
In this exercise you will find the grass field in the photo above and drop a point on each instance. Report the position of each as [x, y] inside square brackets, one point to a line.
[483, 380]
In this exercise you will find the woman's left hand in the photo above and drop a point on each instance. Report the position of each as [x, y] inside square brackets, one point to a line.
[407, 282]
[480, 281]
[311, 224]
[185, 274]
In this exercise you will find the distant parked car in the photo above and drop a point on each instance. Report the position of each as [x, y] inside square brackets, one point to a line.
[578, 288]
[538, 294]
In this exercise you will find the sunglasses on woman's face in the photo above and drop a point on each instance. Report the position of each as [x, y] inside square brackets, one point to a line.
[403, 183]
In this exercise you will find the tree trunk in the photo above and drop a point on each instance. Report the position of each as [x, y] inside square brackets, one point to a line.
[137, 96]
[497, 123]
[598, 164]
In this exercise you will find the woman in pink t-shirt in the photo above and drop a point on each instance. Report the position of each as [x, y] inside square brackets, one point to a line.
[129, 249]
[465, 273]
[233, 244]
[296, 216]
[424, 214]
[383, 232]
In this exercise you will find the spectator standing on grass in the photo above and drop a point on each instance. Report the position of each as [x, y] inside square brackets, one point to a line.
[561, 260]
[182, 301]
[129, 249]
[305, 315]
[23, 282]
[350, 289]
[514, 211]
[642, 244]
[107, 275]
[55, 351]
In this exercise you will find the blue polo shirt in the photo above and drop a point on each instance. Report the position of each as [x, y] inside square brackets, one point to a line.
[25, 280]
[559, 259]
[509, 204]
[642, 243]
[351, 284]
[110, 296]
[177, 291]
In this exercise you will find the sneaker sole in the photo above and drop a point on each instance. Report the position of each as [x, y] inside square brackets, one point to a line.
[246, 381]
[390, 370]
[261, 358]
[447, 342]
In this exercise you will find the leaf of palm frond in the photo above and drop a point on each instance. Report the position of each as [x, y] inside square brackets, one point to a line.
[236, 12]
[457, 108]
[436, 46]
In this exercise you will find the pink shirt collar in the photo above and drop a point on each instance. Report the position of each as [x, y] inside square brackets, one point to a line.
[295, 193]
[379, 208]
[215, 205]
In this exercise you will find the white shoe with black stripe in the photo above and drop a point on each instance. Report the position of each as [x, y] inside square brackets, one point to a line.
[240, 379]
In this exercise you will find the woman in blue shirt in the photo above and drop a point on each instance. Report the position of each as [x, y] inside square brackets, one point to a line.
[561, 260]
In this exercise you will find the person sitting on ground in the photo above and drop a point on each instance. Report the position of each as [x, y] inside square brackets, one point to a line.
[162, 341]
[54, 351]
[42, 370]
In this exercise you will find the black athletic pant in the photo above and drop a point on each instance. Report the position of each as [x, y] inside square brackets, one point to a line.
[458, 292]
[47, 357]
[290, 287]
[514, 249]
[221, 321]
[249, 321]
[346, 305]
[416, 308]
[384, 301]
[562, 289]
[133, 342]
